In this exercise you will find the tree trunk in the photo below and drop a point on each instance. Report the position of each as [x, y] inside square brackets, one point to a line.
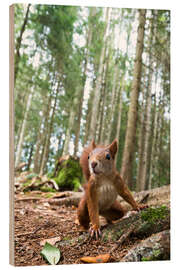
[24, 123]
[102, 103]
[102, 131]
[18, 43]
[128, 154]
[120, 91]
[70, 125]
[92, 131]
[82, 92]
[119, 118]
[142, 173]
[112, 103]
[41, 138]
[141, 137]
[30, 157]
[47, 144]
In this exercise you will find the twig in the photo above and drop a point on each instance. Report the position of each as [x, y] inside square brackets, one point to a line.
[123, 237]
[27, 198]
[27, 233]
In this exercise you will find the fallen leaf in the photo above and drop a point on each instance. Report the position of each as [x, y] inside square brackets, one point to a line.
[51, 241]
[98, 259]
[51, 253]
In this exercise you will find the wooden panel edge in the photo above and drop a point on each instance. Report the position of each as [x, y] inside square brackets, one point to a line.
[11, 134]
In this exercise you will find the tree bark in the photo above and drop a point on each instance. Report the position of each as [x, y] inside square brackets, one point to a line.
[18, 43]
[120, 99]
[112, 103]
[47, 144]
[30, 157]
[128, 154]
[41, 138]
[145, 137]
[92, 131]
[82, 92]
[102, 131]
[23, 129]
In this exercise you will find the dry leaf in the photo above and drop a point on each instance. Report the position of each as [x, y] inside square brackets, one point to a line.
[51, 241]
[98, 259]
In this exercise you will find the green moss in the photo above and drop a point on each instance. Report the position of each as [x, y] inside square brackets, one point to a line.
[156, 255]
[116, 235]
[146, 259]
[49, 195]
[47, 189]
[70, 175]
[152, 215]
[27, 183]
[106, 236]
[66, 238]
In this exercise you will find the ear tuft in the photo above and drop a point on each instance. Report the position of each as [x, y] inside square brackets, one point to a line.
[113, 148]
[93, 145]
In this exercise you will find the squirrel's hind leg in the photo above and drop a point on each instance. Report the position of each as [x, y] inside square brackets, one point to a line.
[115, 212]
[82, 213]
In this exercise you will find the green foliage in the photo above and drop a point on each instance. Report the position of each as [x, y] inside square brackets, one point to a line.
[69, 176]
[53, 58]
[51, 253]
[156, 255]
[47, 189]
[152, 215]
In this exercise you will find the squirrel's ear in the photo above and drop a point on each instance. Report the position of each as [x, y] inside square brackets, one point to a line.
[93, 144]
[113, 148]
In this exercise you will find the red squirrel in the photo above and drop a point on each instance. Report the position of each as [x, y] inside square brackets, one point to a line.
[103, 186]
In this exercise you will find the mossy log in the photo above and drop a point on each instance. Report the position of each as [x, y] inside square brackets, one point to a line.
[68, 173]
[144, 223]
[139, 224]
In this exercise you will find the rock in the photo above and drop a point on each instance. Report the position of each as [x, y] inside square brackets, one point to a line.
[156, 247]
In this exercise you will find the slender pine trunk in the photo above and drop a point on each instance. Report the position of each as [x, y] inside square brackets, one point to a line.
[18, 43]
[23, 129]
[146, 130]
[50, 129]
[92, 132]
[128, 154]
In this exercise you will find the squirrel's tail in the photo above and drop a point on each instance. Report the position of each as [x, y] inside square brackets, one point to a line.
[84, 159]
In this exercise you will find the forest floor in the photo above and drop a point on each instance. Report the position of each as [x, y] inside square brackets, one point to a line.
[37, 220]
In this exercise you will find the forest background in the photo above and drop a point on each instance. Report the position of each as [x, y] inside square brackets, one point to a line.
[103, 73]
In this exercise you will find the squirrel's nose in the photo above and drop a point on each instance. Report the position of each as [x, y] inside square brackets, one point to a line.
[93, 164]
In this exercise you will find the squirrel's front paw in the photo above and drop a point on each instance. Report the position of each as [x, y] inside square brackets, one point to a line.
[95, 231]
[140, 207]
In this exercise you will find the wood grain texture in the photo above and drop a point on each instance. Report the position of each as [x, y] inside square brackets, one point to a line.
[11, 135]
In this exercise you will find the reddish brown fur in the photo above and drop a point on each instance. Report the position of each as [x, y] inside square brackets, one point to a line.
[88, 209]
[84, 160]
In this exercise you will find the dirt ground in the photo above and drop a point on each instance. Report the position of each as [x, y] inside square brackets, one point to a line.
[35, 221]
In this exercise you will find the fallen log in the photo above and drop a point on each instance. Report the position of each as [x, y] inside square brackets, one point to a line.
[139, 224]
[153, 197]
[143, 224]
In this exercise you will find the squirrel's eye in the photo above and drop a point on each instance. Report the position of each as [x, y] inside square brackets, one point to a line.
[108, 156]
[88, 157]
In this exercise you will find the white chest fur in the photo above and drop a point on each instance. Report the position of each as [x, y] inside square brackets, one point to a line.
[107, 195]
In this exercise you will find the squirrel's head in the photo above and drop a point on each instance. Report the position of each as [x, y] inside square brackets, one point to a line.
[101, 159]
